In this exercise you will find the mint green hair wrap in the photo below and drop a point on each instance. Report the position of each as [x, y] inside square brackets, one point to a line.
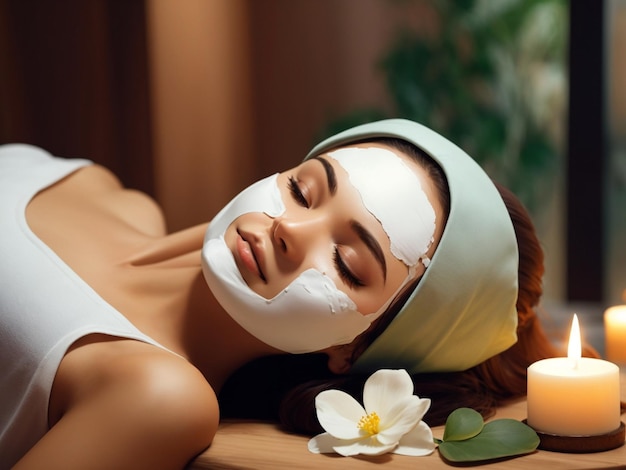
[462, 312]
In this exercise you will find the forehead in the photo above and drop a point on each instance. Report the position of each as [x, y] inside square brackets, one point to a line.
[392, 192]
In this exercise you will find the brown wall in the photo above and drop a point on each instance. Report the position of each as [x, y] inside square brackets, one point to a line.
[73, 79]
[313, 61]
[242, 88]
[202, 105]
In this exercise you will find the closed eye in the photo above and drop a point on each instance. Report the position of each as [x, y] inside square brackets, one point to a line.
[344, 272]
[296, 192]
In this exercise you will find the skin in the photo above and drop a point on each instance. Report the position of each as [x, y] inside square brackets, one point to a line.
[119, 403]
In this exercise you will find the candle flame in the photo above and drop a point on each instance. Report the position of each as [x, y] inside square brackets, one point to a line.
[574, 348]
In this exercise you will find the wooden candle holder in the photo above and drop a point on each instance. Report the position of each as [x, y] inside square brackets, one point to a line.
[582, 444]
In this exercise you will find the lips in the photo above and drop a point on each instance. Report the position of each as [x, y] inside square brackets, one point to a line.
[250, 255]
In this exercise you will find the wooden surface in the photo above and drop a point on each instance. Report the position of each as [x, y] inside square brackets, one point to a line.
[253, 445]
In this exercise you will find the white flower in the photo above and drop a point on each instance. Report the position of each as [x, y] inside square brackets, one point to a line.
[390, 422]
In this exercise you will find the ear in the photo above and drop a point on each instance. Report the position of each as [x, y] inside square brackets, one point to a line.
[339, 358]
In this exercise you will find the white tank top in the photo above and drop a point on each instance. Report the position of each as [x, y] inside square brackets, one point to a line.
[44, 305]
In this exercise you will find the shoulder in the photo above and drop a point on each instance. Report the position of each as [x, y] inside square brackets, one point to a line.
[155, 398]
[173, 403]
[157, 379]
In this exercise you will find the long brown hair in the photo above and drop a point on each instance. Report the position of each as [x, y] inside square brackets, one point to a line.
[285, 386]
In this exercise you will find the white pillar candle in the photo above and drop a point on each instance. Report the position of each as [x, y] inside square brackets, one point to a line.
[574, 396]
[615, 334]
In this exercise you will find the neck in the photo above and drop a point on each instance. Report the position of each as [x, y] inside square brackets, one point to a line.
[214, 342]
[190, 321]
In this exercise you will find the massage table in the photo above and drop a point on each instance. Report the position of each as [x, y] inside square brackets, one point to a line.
[261, 445]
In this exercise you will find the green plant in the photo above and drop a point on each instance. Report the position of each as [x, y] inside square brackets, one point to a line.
[492, 80]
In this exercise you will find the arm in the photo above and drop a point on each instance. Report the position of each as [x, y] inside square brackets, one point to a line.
[139, 408]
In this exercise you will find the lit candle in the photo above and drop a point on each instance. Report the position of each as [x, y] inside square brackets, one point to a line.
[615, 334]
[574, 395]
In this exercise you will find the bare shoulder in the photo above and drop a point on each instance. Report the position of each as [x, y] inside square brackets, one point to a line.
[146, 376]
[157, 381]
[121, 391]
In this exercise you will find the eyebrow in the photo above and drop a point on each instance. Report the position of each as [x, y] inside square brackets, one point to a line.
[372, 244]
[331, 177]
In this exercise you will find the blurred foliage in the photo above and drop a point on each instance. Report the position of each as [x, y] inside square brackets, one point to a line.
[492, 79]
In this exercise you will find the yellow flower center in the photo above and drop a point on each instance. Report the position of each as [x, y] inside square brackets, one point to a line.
[369, 423]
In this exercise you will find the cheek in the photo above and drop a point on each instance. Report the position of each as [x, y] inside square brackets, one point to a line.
[367, 299]
[370, 299]
[262, 197]
[367, 304]
[317, 258]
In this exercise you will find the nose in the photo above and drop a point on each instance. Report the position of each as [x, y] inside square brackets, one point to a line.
[293, 239]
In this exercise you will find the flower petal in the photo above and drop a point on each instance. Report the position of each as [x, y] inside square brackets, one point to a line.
[417, 442]
[324, 444]
[367, 446]
[406, 413]
[384, 388]
[402, 418]
[339, 413]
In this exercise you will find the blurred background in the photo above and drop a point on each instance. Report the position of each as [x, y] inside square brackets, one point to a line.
[193, 100]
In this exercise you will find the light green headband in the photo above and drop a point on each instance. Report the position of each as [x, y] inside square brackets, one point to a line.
[462, 312]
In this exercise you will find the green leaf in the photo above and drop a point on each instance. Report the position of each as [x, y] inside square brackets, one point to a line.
[499, 438]
[462, 424]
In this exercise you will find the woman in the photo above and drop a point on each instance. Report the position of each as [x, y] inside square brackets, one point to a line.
[116, 336]
[285, 386]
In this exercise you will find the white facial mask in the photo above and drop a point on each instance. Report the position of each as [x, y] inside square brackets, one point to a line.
[312, 313]
[392, 193]
[308, 315]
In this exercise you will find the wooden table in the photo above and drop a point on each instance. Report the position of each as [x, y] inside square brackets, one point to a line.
[253, 445]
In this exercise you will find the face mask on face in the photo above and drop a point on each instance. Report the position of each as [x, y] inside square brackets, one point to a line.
[393, 194]
[308, 315]
[312, 313]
